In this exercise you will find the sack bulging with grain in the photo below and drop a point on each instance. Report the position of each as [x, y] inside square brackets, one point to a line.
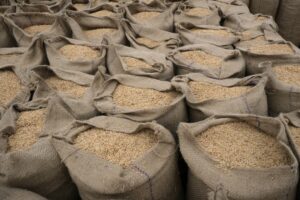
[125, 60]
[235, 148]
[115, 158]
[140, 99]
[26, 26]
[215, 35]
[148, 38]
[28, 160]
[207, 96]
[283, 89]
[231, 7]
[93, 29]
[7, 193]
[209, 60]
[75, 55]
[106, 10]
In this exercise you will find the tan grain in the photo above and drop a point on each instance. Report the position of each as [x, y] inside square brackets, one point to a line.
[295, 133]
[97, 34]
[79, 52]
[199, 12]
[103, 13]
[134, 63]
[9, 86]
[35, 29]
[80, 6]
[213, 32]
[288, 73]
[272, 49]
[145, 16]
[202, 58]
[147, 42]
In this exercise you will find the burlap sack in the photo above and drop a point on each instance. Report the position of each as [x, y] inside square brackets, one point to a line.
[233, 64]
[154, 3]
[152, 176]
[36, 8]
[58, 60]
[80, 22]
[163, 21]
[209, 181]
[6, 2]
[231, 7]
[86, 4]
[45, 2]
[37, 168]
[211, 19]
[18, 194]
[118, 12]
[287, 19]
[253, 59]
[169, 116]
[164, 41]
[161, 69]
[252, 102]
[266, 7]
[6, 9]
[6, 38]
[19, 21]
[282, 97]
[242, 22]
[187, 36]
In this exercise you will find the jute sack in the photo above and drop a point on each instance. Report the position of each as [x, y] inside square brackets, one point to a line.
[201, 13]
[18, 194]
[206, 96]
[30, 162]
[148, 38]
[26, 26]
[152, 174]
[45, 2]
[6, 38]
[126, 60]
[6, 9]
[92, 29]
[79, 5]
[106, 10]
[215, 62]
[231, 7]
[279, 50]
[20, 8]
[154, 17]
[283, 89]
[287, 16]
[266, 7]
[211, 180]
[242, 22]
[198, 34]
[166, 105]
[153, 3]
[75, 55]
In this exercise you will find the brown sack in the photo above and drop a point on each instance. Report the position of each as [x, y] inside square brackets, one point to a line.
[6, 38]
[18, 194]
[145, 63]
[155, 39]
[225, 37]
[209, 180]
[20, 21]
[232, 63]
[80, 22]
[167, 115]
[252, 101]
[27, 8]
[112, 10]
[266, 7]
[89, 65]
[231, 7]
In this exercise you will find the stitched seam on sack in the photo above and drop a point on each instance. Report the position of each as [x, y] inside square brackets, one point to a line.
[148, 179]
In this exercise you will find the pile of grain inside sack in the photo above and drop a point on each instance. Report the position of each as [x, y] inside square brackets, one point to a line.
[80, 6]
[202, 58]
[288, 73]
[204, 91]
[134, 63]
[200, 12]
[28, 128]
[11, 58]
[271, 49]
[67, 87]
[240, 145]
[147, 42]
[35, 29]
[214, 32]
[79, 52]
[117, 147]
[295, 133]
[98, 33]
[9, 86]
[145, 16]
[103, 13]
[141, 98]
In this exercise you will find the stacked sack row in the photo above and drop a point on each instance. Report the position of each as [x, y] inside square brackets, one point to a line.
[96, 96]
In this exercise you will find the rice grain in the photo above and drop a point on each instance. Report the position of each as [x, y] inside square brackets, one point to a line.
[97, 34]
[35, 29]
[134, 63]
[272, 49]
[288, 73]
[145, 16]
[80, 6]
[147, 42]
[9, 86]
[295, 133]
[202, 58]
[103, 13]
[215, 32]
[199, 12]
[79, 52]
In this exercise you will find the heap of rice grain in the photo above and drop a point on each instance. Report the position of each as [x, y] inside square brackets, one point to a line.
[35, 29]
[147, 42]
[79, 52]
[199, 12]
[145, 16]
[9, 58]
[204, 91]
[288, 73]
[97, 34]
[116, 147]
[9, 86]
[202, 58]
[272, 49]
[295, 133]
[80, 6]
[102, 13]
[216, 32]
[141, 98]
[28, 128]
[67, 87]
[134, 63]
[240, 145]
